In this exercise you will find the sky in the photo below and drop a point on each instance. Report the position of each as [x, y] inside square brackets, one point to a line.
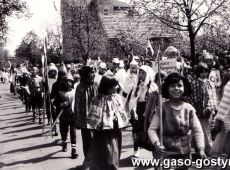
[44, 15]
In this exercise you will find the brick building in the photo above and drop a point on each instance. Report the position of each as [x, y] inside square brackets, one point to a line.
[111, 17]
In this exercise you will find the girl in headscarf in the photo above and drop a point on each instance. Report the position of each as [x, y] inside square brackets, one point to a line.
[152, 104]
[136, 101]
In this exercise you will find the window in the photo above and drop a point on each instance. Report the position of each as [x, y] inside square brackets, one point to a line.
[106, 11]
[116, 8]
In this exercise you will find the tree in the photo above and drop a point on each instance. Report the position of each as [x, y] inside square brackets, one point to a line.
[215, 39]
[129, 37]
[9, 8]
[183, 15]
[83, 36]
[54, 44]
[30, 48]
[4, 54]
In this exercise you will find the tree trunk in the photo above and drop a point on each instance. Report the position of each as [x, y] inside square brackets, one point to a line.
[192, 41]
[193, 50]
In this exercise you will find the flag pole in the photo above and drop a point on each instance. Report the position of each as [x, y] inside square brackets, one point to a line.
[160, 101]
[47, 99]
[44, 91]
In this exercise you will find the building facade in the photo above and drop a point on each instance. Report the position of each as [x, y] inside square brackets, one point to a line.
[97, 28]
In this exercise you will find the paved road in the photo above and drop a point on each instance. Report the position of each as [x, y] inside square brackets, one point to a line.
[22, 147]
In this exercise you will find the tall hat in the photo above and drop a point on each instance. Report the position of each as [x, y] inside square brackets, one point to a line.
[116, 60]
[136, 58]
[102, 65]
[207, 55]
[134, 63]
[68, 66]
[69, 77]
[171, 52]
[35, 69]
[62, 70]
[121, 64]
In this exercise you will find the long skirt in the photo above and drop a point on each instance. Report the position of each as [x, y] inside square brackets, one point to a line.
[138, 126]
[221, 143]
[104, 152]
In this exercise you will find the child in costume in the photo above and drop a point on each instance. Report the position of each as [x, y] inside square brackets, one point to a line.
[179, 122]
[67, 119]
[106, 118]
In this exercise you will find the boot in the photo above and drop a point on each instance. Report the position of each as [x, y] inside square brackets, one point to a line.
[64, 147]
[34, 117]
[74, 154]
[48, 124]
[55, 133]
[40, 120]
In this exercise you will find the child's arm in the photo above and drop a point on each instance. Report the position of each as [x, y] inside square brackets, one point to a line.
[153, 128]
[197, 132]
[152, 132]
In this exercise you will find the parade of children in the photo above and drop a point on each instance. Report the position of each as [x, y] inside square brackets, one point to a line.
[180, 112]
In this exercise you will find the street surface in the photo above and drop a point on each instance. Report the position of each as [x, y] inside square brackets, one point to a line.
[22, 146]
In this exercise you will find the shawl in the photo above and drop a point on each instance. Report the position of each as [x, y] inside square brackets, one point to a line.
[129, 82]
[105, 109]
[121, 76]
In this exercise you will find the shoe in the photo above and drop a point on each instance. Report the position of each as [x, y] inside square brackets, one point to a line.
[55, 133]
[64, 147]
[136, 154]
[74, 154]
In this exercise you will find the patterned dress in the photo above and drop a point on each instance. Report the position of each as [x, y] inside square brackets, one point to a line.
[221, 143]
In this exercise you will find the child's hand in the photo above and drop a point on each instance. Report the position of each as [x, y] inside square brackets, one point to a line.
[135, 116]
[160, 149]
[202, 154]
[64, 104]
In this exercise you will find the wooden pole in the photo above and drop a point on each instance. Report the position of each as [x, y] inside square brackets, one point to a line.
[60, 113]
[160, 101]
[43, 83]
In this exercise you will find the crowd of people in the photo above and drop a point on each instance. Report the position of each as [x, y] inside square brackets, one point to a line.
[193, 112]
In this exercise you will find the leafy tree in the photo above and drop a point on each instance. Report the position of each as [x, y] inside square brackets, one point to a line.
[83, 36]
[4, 54]
[30, 48]
[9, 8]
[183, 15]
[130, 39]
[54, 52]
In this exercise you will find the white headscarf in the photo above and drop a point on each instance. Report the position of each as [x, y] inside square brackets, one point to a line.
[139, 91]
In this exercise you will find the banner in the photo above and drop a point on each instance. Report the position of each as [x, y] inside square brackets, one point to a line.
[168, 65]
[149, 49]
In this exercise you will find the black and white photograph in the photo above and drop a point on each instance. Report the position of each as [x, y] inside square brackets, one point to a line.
[114, 84]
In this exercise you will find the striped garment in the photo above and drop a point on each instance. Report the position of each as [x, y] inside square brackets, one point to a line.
[203, 96]
[224, 107]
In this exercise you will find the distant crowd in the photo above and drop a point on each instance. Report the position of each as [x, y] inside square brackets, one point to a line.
[170, 112]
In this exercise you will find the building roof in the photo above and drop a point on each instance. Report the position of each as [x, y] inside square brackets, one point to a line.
[113, 23]
[120, 3]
